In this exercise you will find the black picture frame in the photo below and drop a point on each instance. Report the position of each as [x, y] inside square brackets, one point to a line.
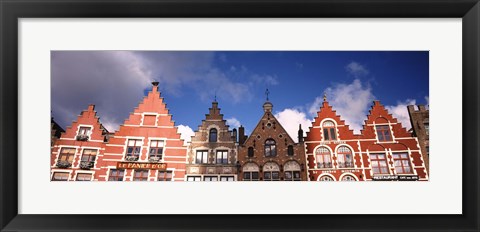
[11, 11]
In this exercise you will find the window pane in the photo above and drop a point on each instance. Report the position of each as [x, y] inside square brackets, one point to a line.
[325, 134]
[333, 134]
[255, 175]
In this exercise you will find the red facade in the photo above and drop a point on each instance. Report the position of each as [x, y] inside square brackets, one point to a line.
[383, 150]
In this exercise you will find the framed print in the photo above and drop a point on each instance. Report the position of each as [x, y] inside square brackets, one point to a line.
[270, 172]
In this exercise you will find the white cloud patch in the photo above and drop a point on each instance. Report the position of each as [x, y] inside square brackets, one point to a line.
[351, 101]
[400, 112]
[233, 123]
[356, 69]
[268, 80]
[186, 133]
[290, 119]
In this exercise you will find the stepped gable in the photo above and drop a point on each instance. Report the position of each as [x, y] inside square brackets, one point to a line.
[262, 124]
[151, 112]
[214, 117]
[87, 118]
[379, 115]
[327, 111]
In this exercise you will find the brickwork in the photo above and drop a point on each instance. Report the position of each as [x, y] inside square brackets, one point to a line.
[420, 127]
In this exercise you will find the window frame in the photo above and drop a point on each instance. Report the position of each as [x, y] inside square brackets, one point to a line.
[250, 173]
[379, 166]
[141, 177]
[67, 175]
[203, 152]
[292, 174]
[132, 154]
[384, 131]
[330, 164]
[401, 161]
[83, 174]
[342, 155]
[116, 177]
[227, 178]
[89, 155]
[157, 147]
[329, 131]
[194, 178]
[224, 154]
[210, 134]
[271, 152]
[67, 155]
[162, 175]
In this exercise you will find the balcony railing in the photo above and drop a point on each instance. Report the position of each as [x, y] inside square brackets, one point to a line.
[324, 165]
[345, 164]
[131, 158]
[63, 164]
[82, 137]
[154, 159]
[86, 164]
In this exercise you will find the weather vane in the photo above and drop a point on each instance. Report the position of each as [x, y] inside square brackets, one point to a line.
[324, 96]
[215, 99]
[266, 93]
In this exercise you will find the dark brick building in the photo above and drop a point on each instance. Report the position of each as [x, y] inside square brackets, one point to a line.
[420, 129]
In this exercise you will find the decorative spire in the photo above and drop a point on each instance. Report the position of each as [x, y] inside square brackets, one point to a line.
[267, 93]
[324, 96]
[215, 98]
[155, 83]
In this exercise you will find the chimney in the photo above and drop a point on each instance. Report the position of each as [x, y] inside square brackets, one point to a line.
[421, 108]
[241, 135]
[411, 108]
[300, 133]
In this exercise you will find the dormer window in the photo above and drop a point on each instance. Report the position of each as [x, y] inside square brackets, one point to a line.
[212, 135]
[83, 133]
[329, 131]
[383, 133]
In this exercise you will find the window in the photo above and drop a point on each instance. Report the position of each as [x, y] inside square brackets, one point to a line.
[83, 133]
[290, 150]
[149, 120]
[250, 151]
[250, 172]
[426, 128]
[156, 150]
[210, 178]
[379, 163]
[212, 137]
[323, 158]
[271, 171]
[60, 176]
[84, 177]
[326, 178]
[140, 175]
[227, 178]
[250, 176]
[383, 133]
[66, 155]
[344, 157]
[116, 175]
[292, 176]
[194, 178]
[222, 157]
[402, 163]
[165, 175]
[329, 132]
[133, 148]
[89, 155]
[84, 130]
[202, 157]
[292, 171]
[270, 148]
[348, 178]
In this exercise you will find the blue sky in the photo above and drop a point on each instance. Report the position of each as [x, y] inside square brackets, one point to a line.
[116, 81]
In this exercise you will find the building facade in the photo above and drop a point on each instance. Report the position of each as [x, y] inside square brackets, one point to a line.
[212, 153]
[269, 153]
[75, 155]
[384, 150]
[420, 129]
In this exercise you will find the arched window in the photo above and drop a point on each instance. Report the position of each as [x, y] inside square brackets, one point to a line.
[344, 157]
[348, 178]
[329, 131]
[292, 171]
[250, 152]
[323, 158]
[250, 172]
[271, 171]
[213, 135]
[290, 150]
[326, 178]
[270, 148]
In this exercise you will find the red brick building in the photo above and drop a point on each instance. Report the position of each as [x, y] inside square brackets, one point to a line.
[384, 150]
[269, 153]
[147, 146]
[76, 154]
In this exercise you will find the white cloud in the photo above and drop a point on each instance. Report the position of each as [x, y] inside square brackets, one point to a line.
[351, 101]
[186, 133]
[356, 69]
[400, 112]
[268, 80]
[290, 119]
[315, 106]
[233, 123]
